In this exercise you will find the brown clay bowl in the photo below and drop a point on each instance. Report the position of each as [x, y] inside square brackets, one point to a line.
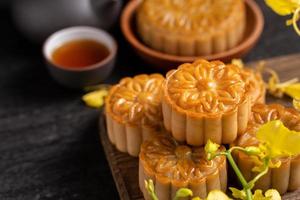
[255, 23]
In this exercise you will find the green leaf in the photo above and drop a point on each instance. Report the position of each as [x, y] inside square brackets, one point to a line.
[238, 194]
[283, 7]
[278, 140]
[182, 193]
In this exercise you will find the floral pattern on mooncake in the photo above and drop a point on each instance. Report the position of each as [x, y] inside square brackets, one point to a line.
[206, 87]
[133, 111]
[138, 100]
[206, 100]
[173, 165]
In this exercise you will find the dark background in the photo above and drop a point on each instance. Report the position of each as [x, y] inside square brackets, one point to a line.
[49, 145]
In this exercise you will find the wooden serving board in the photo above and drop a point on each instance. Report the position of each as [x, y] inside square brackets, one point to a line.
[124, 168]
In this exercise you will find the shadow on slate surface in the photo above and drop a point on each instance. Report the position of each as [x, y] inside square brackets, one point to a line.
[49, 144]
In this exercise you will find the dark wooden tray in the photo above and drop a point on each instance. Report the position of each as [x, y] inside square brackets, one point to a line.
[124, 168]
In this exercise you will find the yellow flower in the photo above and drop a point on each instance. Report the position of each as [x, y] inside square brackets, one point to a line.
[238, 62]
[283, 7]
[278, 89]
[238, 194]
[273, 194]
[217, 195]
[183, 193]
[293, 90]
[287, 7]
[211, 149]
[95, 99]
[278, 139]
[269, 195]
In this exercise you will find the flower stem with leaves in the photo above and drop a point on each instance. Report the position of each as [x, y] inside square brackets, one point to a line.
[246, 193]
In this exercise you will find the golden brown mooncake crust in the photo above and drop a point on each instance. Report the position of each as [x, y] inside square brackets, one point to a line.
[287, 176]
[133, 111]
[191, 27]
[254, 85]
[172, 165]
[205, 100]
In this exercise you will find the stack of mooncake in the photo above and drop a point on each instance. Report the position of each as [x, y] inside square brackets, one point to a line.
[167, 122]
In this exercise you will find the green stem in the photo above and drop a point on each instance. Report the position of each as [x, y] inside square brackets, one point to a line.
[248, 194]
[221, 154]
[218, 154]
[236, 148]
[261, 174]
[153, 196]
[239, 175]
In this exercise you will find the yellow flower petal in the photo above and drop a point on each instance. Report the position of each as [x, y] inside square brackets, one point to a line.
[278, 139]
[217, 195]
[293, 90]
[269, 195]
[196, 198]
[275, 165]
[183, 193]
[211, 149]
[283, 7]
[237, 194]
[238, 62]
[273, 194]
[258, 195]
[289, 22]
[95, 99]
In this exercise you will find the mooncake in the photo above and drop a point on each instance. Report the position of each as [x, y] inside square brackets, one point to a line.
[255, 85]
[191, 27]
[133, 111]
[172, 165]
[206, 100]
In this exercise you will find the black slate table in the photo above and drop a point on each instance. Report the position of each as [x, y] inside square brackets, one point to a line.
[49, 144]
